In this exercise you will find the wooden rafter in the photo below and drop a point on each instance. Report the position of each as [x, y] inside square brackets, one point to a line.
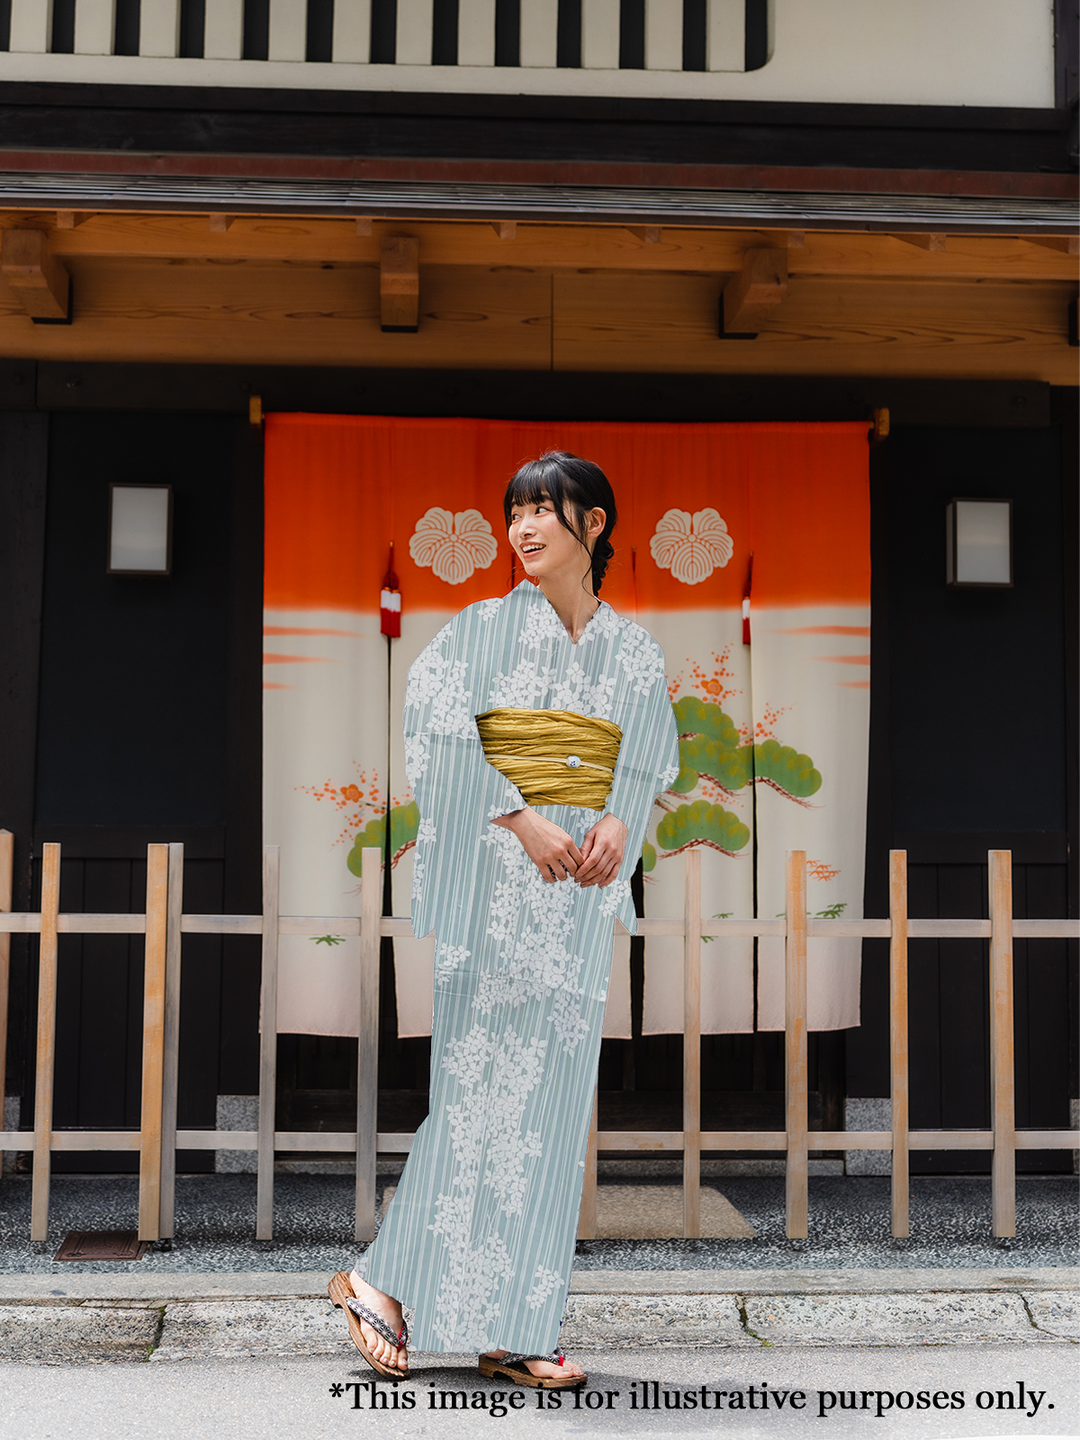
[753, 293]
[1064, 244]
[934, 241]
[399, 283]
[38, 279]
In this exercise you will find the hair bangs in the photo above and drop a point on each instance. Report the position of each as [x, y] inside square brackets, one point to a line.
[535, 481]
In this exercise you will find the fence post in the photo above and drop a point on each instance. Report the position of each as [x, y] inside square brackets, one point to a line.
[692, 1047]
[1002, 1098]
[367, 1049]
[7, 868]
[795, 1045]
[46, 1044]
[170, 1071]
[157, 903]
[898, 1039]
[264, 1199]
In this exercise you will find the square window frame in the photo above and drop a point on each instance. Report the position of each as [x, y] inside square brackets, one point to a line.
[139, 485]
[951, 581]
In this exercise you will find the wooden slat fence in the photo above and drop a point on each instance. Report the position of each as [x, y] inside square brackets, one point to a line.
[164, 924]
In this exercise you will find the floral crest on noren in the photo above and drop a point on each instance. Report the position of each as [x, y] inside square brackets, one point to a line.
[453, 543]
[691, 546]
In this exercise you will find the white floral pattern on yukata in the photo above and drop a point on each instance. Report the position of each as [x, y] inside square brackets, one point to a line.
[480, 1236]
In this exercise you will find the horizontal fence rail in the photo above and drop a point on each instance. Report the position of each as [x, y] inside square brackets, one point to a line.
[164, 924]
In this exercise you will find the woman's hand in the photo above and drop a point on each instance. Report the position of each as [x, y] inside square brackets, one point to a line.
[602, 852]
[547, 845]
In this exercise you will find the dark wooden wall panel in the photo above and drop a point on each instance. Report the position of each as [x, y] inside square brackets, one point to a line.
[149, 730]
[24, 449]
[973, 733]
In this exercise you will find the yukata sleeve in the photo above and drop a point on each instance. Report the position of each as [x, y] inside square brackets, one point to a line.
[648, 758]
[457, 791]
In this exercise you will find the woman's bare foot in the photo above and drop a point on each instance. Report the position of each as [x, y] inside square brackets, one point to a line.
[545, 1369]
[389, 1310]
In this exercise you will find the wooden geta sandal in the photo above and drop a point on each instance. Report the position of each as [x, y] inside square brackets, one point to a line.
[513, 1368]
[344, 1297]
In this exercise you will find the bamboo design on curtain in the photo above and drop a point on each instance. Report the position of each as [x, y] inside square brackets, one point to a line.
[772, 732]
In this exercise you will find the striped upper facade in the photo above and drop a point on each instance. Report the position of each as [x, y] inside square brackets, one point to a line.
[923, 52]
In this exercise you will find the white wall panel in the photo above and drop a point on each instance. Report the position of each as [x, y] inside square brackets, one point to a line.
[599, 34]
[414, 32]
[352, 31]
[224, 32]
[725, 35]
[31, 26]
[95, 25]
[476, 32]
[663, 34]
[288, 30]
[159, 28]
[920, 52]
[539, 33]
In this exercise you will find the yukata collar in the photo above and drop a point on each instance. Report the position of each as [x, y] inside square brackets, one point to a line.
[531, 593]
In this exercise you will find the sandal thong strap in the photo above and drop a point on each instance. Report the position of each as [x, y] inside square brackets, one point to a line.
[513, 1358]
[378, 1324]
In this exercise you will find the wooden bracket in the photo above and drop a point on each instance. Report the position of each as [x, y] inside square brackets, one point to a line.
[505, 229]
[220, 223]
[647, 234]
[751, 296]
[255, 411]
[399, 284]
[39, 280]
[924, 242]
[879, 424]
[1065, 244]
[72, 219]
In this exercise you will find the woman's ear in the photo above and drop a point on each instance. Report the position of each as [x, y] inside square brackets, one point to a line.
[595, 521]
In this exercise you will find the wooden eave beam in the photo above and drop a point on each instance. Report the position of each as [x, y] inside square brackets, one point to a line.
[37, 278]
[318, 240]
[753, 293]
[399, 284]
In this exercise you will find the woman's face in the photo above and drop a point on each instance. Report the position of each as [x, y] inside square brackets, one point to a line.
[544, 545]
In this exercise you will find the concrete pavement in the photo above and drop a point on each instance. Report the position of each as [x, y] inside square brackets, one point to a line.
[923, 1392]
[134, 1318]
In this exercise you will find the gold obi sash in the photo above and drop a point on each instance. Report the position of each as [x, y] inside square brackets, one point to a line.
[554, 757]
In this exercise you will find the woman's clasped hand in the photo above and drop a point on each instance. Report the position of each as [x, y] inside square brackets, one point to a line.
[557, 857]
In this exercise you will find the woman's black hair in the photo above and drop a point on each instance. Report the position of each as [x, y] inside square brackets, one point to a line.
[569, 482]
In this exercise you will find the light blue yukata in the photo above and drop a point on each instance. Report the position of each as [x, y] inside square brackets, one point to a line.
[479, 1238]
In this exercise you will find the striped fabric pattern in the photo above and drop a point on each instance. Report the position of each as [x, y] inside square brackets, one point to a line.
[479, 1238]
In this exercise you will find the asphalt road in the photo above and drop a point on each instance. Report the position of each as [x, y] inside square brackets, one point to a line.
[300, 1398]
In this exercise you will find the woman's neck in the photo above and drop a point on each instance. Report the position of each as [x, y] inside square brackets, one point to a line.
[572, 599]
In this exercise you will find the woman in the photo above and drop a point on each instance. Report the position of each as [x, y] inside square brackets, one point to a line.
[538, 732]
